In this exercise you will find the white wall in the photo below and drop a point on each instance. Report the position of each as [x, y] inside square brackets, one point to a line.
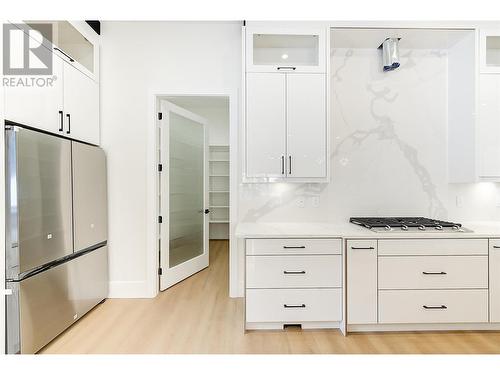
[139, 60]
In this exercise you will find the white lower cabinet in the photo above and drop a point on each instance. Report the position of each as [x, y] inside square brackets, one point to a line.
[422, 281]
[293, 281]
[361, 283]
[433, 306]
[494, 274]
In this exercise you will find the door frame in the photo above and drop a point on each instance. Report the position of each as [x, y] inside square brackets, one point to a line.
[152, 157]
[199, 262]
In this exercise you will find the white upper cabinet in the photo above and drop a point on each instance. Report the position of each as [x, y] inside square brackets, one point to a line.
[81, 106]
[306, 125]
[290, 50]
[266, 127]
[489, 126]
[39, 107]
[490, 51]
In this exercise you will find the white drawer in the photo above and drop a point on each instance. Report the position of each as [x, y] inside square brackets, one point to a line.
[455, 246]
[433, 272]
[441, 306]
[294, 271]
[293, 305]
[293, 246]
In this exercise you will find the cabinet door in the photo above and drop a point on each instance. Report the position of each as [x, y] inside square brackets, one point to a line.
[361, 282]
[35, 106]
[81, 106]
[489, 123]
[494, 264]
[265, 125]
[489, 51]
[306, 125]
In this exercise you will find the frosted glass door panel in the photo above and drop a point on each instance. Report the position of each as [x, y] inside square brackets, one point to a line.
[186, 224]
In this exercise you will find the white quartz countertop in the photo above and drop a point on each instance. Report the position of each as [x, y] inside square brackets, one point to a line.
[348, 230]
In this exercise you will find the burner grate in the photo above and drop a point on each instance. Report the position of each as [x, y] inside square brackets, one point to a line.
[402, 222]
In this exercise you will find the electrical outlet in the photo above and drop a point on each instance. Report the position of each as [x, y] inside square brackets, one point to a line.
[458, 201]
[315, 201]
[301, 202]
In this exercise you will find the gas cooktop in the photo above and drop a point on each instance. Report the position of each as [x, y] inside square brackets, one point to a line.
[409, 224]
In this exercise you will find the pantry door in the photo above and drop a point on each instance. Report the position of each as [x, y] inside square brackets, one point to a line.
[183, 198]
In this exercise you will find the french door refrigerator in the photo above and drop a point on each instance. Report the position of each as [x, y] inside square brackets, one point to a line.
[56, 235]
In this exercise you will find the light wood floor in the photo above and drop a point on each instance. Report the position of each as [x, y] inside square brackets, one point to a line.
[197, 316]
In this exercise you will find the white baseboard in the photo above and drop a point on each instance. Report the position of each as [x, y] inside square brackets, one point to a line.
[129, 289]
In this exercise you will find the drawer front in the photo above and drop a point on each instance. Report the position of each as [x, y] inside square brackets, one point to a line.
[441, 306]
[294, 271]
[459, 246]
[293, 305]
[433, 272]
[293, 246]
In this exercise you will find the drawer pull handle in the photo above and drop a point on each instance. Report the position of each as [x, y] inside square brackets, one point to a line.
[434, 273]
[294, 247]
[286, 306]
[286, 68]
[294, 272]
[363, 248]
[440, 307]
[496, 247]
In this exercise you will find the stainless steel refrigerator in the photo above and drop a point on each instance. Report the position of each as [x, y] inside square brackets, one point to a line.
[56, 235]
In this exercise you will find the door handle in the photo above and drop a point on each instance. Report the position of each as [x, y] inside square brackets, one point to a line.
[287, 306]
[496, 247]
[363, 248]
[289, 164]
[294, 272]
[207, 211]
[434, 273]
[286, 68]
[282, 164]
[62, 120]
[439, 307]
[294, 247]
[69, 123]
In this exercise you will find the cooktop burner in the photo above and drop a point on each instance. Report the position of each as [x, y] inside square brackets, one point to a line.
[386, 224]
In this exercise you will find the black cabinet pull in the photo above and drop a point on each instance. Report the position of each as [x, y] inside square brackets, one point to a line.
[62, 120]
[440, 307]
[289, 164]
[287, 306]
[282, 164]
[294, 247]
[294, 272]
[286, 68]
[434, 273]
[496, 247]
[363, 248]
[65, 54]
[69, 123]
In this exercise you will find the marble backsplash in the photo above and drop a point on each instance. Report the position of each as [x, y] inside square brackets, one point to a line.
[388, 152]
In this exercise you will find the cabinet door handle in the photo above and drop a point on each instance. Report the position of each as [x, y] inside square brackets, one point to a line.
[69, 123]
[294, 247]
[362, 248]
[287, 306]
[65, 54]
[62, 121]
[434, 273]
[496, 247]
[286, 68]
[439, 307]
[294, 272]
[282, 164]
[289, 164]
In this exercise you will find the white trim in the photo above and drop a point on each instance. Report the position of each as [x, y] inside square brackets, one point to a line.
[423, 327]
[152, 283]
[2, 209]
[127, 289]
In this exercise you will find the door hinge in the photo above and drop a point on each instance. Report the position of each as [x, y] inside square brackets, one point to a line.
[160, 167]
[160, 271]
[160, 219]
[160, 116]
